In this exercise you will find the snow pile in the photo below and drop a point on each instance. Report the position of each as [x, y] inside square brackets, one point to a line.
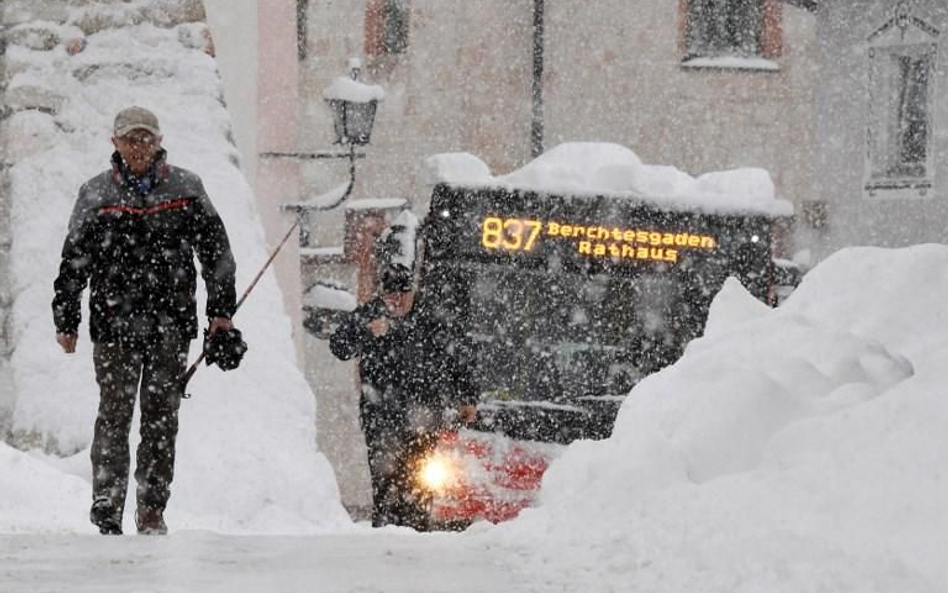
[247, 459]
[459, 168]
[593, 168]
[790, 450]
[397, 242]
[38, 496]
[329, 199]
[322, 296]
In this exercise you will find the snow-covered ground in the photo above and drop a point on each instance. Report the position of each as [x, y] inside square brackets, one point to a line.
[793, 450]
[797, 450]
[205, 562]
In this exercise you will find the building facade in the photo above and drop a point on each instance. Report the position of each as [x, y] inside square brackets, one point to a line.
[881, 158]
[699, 84]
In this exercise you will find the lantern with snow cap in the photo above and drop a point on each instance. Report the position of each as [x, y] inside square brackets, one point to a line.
[353, 106]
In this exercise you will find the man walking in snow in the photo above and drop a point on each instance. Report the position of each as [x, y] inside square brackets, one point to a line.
[132, 238]
[414, 373]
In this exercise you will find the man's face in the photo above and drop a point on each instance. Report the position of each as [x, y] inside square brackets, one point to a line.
[398, 304]
[138, 149]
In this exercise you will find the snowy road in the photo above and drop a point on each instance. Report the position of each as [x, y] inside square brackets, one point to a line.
[209, 562]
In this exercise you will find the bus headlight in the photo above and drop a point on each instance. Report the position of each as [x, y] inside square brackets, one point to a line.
[438, 472]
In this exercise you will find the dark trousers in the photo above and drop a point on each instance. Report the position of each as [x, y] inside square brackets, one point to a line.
[123, 369]
[394, 453]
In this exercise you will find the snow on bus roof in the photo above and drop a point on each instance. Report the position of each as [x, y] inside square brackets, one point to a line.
[597, 168]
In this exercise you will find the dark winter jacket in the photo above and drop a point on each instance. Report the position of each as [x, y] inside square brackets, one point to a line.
[133, 241]
[419, 362]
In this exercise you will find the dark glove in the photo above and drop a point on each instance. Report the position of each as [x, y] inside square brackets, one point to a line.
[225, 348]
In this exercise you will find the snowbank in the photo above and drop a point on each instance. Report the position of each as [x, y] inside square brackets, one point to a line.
[798, 449]
[599, 168]
[247, 459]
[38, 496]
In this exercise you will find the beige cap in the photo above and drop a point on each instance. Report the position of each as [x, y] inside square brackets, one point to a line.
[136, 118]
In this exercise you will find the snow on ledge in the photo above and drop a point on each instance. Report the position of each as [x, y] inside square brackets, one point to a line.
[732, 63]
[376, 204]
[328, 297]
[604, 169]
[334, 251]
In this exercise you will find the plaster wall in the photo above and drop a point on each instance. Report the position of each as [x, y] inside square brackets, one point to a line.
[612, 73]
[463, 84]
[6, 374]
[615, 74]
[257, 57]
[855, 218]
[338, 432]
[234, 28]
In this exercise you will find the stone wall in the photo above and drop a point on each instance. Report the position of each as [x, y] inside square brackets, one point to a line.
[45, 26]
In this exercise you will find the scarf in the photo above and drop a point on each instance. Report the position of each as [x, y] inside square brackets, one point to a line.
[141, 184]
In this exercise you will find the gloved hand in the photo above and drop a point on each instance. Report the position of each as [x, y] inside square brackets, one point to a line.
[224, 347]
[467, 414]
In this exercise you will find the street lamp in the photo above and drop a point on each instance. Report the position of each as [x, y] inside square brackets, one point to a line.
[353, 106]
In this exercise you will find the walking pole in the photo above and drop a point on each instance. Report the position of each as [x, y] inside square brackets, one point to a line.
[186, 376]
[332, 201]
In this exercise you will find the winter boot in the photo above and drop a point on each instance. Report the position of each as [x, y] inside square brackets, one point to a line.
[105, 516]
[150, 522]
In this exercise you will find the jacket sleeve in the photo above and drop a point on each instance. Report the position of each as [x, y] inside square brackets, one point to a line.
[466, 391]
[461, 388]
[218, 268]
[352, 336]
[74, 268]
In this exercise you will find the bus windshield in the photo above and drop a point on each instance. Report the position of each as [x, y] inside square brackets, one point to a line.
[540, 335]
[567, 299]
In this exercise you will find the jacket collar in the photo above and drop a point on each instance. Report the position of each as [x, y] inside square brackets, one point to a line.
[144, 184]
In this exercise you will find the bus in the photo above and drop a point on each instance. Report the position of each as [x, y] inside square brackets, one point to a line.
[567, 301]
[566, 295]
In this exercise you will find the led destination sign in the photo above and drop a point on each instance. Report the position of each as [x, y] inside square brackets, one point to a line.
[593, 241]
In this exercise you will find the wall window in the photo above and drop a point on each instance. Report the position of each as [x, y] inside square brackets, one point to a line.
[902, 79]
[901, 98]
[724, 28]
[387, 27]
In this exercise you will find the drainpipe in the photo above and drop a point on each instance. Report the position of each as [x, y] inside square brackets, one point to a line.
[302, 28]
[536, 125]
[6, 372]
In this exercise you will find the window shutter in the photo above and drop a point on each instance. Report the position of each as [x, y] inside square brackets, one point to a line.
[702, 38]
[771, 38]
[373, 27]
[386, 27]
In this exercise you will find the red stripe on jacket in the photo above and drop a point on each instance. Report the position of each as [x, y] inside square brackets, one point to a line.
[170, 205]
